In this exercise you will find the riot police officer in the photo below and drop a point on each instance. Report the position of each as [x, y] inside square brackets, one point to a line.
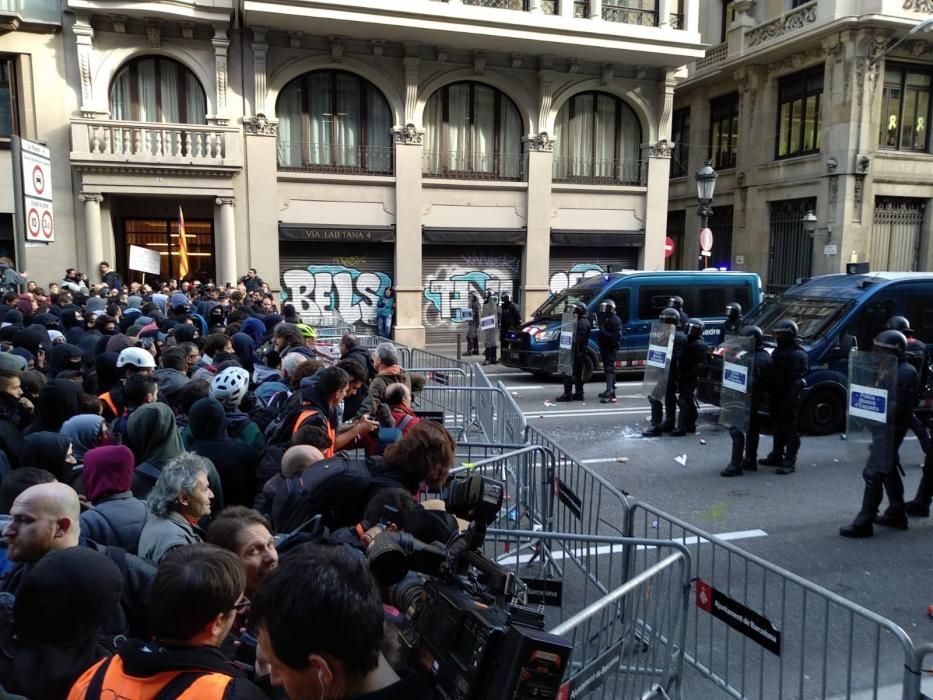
[509, 317]
[692, 361]
[789, 367]
[473, 325]
[610, 336]
[748, 442]
[490, 333]
[581, 338]
[916, 355]
[677, 302]
[733, 322]
[663, 415]
[882, 471]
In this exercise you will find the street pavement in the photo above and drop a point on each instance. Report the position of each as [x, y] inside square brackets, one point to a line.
[791, 520]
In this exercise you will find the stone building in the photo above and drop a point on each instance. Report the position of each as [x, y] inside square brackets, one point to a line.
[344, 147]
[819, 106]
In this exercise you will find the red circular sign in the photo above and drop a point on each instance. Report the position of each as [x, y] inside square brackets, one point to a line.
[33, 223]
[668, 247]
[47, 224]
[38, 179]
[706, 239]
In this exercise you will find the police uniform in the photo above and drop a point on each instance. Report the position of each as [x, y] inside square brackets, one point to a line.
[789, 367]
[581, 339]
[747, 443]
[691, 363]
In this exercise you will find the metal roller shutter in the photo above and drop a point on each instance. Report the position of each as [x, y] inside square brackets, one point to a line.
[451, 271]
[570, 265]
[346, 277]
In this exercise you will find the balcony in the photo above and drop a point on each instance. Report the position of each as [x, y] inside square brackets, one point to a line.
[335, 160]
[109, 144]
[588, 171]
[36, 15]
[467, 165]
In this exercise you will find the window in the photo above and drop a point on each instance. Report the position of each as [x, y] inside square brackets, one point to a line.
[157, 90]
[472, 131]
[676, 231]
[724, 130]
[162, 235]
[334, 121]
[905, 109]
[728, 17]
[680, 135]
[8, 111]
[799, 101]
[653, 300]
[598, 140]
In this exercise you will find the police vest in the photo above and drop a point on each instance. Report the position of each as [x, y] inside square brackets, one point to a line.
[107, 679]
[331, 433]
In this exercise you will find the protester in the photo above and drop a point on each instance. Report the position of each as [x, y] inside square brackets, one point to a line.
[117, 517]
[246, 533]
[235, 460]
[86, 431]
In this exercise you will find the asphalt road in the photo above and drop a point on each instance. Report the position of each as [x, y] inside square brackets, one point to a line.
[791, 521]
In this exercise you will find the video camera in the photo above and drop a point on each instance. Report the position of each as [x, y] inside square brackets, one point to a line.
[467, 621]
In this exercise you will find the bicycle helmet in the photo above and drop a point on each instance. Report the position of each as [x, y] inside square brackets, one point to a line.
[135, 357]
[230, 386]
[306, 330]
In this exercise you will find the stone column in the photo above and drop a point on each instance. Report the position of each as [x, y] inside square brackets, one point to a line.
[664, 13]
[260, 52]
[225, 242]
[659, 174]
[596, 9]
[409, 328]
[94, 240]
[537, 254]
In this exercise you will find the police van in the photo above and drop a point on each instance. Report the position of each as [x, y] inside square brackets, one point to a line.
[639, 298]
[834, 314]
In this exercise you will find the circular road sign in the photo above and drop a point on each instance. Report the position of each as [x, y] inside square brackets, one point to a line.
[706, 239]
[33, 223]
[38, 179]
[47, 224]
[668, 247]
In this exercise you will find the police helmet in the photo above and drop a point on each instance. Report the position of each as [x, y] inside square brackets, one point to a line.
[694, 327]
[506, 298]
[785, 327]
[607, 306]
[900, 323]
[487, 295]
[753, 332]
[579, 309]
[891, 341]
[733, 310]
[677, 302]
[670, 315]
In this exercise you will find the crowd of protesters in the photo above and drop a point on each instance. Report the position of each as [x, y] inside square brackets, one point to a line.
[188, 486]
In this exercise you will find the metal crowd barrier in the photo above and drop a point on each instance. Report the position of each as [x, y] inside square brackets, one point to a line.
[626, 632]
[760, 631]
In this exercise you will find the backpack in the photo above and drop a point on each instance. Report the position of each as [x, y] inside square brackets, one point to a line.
[279, 430]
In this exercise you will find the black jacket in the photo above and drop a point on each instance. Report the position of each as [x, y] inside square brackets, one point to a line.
[511, 317]
[116, 521]
[13, 421]
[788, 374]
[692, 360]
[610, 331]
[581, 336]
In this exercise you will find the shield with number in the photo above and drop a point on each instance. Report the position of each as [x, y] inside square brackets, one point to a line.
[568, 325]
[735, 396]
[658, 361]
[869, 415]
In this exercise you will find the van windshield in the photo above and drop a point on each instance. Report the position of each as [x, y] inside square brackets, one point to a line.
[554, 307]
[812, 316]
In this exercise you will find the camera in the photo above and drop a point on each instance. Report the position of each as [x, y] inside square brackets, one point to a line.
[466, 619]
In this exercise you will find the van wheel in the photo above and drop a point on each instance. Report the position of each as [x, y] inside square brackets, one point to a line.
[589, 367]
[823, 413]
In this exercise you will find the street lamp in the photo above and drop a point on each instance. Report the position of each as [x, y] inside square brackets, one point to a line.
[810, 221]
[706, 186]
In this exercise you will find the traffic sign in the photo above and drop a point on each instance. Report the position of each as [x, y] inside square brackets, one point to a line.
[706, 239]
[40, 220]
[668, 247]
[37, 165]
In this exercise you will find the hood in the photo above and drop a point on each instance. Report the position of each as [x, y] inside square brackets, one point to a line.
[147, 659]
[179, 299]
[118, 343]
[201, 321]
[84, 432]
[58, 401]
[170, 380]
[254, 328]
[64, 356]
[14, 317]
[11, 362]
[152, 435]
[67, 596]
[207, 420]
[184, 333]
[161, 301]
[107, 470]
[270, 321]
[95, 304]
[245, 350]
[47, 450]
[311, 395]
[134, 301]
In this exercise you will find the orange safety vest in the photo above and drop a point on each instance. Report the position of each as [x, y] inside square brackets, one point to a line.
[331, 433]
[108, 399]
[107, 679]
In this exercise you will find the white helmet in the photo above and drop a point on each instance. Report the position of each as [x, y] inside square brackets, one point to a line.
[135, 357]
[230, 386]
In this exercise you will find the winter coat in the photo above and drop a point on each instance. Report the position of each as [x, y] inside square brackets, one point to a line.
[162, 535]
[116, 520]
[378, 386]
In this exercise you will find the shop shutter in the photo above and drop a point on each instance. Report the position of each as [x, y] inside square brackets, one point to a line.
[570, 265]
[450, 272]
[346, 277]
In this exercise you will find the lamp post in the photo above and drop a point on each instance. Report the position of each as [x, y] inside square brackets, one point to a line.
[706, 186]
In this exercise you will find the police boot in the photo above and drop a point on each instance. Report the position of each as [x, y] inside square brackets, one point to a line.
[862, 525]
[488, 355]
[566, 396]
[894, 516]
[578, 395]
[920, 506]
[774, 459]
[668, 426]
[492, 355]
[653, 431]
[734, 467]
[788, 466]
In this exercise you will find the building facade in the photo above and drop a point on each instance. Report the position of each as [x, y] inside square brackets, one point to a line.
[341, 148]
[815, 106]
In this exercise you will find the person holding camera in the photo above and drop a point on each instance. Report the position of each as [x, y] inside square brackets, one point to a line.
[74, 281]
[322, 636]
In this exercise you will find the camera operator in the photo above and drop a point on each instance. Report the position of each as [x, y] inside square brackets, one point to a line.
[321, 636]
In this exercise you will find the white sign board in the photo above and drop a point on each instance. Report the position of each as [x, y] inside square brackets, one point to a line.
[868, 402]
[735, 377]
[487, 322]
[145, 260]
[37, 192]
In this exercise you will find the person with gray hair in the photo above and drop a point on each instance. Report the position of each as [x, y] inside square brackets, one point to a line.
[179, 499]
[386, 362]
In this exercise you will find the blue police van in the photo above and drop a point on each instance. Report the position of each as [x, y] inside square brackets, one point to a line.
[834, 314]
[639, 298]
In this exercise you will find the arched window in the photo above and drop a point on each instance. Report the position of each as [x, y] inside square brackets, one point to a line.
[155, 89]
[598, 140]
[472, 131]
[334, 121]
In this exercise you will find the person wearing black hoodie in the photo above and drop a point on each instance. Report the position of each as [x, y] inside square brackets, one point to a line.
[59, 400]
[235, 461]
[15, 416]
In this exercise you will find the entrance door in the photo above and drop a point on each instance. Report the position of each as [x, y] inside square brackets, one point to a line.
[162, 235]
[791, 249]
[895, 234]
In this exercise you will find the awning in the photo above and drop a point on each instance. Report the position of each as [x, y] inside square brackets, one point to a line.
[459, 236]
[337, 234]
[597, 239]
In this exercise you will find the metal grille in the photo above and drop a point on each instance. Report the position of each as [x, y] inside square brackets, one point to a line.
[676, 231]
[470, 165]
[630, 15]
[895, 234]
[550, 7]
[581, 8]
[790, 248]
[721, 225]
[597, 171]
[334, 158]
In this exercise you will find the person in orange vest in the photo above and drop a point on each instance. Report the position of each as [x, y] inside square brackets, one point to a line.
[195, 598]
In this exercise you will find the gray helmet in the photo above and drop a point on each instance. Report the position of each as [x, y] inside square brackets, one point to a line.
[670, 315]
[606, 306]
[694, 327]
[785, 327]
[579, 309]
[753, 332]
[891, 341]
[677, 302]
[734, 311]
[900, 323]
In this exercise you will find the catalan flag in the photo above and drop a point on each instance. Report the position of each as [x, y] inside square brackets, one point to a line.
[182, 246]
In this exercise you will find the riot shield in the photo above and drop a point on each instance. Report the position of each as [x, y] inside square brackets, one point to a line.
[735, 396]
[869, 417]
[568, 324]
[658, 362]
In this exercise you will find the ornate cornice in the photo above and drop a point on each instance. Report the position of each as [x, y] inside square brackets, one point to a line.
[661, 149]
[919, 6]
[260, 125]
[541, 142]
[408, 135]
[798, 60]
[788, 22]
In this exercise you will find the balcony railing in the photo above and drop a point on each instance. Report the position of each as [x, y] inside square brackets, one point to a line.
[550, 7]
[500, 4]
[630, 15]
[467, 165]
[587, 171]
[335, 159]
[581, 8]
[714, 55]
[676, 20]
[125, 142]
